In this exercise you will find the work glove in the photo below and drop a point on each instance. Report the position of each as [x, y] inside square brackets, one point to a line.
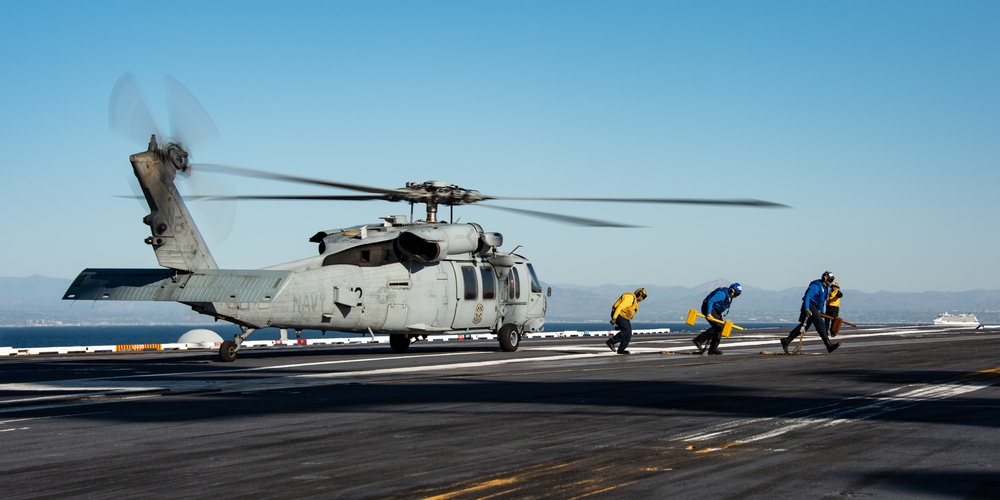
[808, 313]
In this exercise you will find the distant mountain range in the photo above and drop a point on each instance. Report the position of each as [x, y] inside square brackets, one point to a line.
[37, 300]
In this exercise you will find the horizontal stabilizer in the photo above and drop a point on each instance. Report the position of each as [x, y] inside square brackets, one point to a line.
[203, 285]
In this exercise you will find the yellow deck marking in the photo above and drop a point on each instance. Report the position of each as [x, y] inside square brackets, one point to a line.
[479, 487]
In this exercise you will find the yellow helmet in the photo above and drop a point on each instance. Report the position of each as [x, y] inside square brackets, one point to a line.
[640, 293]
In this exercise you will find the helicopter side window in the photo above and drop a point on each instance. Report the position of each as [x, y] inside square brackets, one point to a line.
[489, 283]
[514, 284]
[470, 282]
[536, 286]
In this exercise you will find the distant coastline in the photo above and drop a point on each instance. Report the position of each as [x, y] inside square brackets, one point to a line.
[36, 301]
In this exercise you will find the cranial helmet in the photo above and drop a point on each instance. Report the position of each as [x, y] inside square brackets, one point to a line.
[828, 276]
[640, 293]
[736, 289]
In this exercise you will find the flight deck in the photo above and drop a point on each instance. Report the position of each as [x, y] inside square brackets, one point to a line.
[895, 412]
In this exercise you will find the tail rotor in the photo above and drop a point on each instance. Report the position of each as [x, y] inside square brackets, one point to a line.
[190, 125]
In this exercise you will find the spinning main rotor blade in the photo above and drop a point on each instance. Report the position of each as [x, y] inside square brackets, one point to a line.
[675, 201]
[259, 174]
[293, 197]
[567, 219]
[398, 194]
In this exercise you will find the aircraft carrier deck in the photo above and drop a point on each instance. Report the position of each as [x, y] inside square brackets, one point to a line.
[896, 412]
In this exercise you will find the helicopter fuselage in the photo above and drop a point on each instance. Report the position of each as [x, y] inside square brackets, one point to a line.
[375, 287]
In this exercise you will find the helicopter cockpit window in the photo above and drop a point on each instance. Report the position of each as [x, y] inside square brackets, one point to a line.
[536, 286]
[489, 283]
[513, 284]
[470, 282]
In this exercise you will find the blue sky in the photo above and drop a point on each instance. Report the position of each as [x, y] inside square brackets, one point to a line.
[877, 122]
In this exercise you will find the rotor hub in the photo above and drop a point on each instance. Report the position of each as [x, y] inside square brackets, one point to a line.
[177, 157]
[439, 193]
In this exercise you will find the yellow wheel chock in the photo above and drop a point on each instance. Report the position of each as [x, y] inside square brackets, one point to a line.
[727, 326]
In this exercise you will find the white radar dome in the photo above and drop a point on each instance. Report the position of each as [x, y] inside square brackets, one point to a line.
[200, 337]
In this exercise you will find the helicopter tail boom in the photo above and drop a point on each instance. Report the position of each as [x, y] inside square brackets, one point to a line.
[210, 285]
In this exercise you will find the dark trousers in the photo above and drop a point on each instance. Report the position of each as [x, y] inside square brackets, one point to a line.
[624, 334]
[804, 324]
[713, 333]
[832, 312]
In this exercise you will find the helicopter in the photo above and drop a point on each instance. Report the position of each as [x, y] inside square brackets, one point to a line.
[402, 277]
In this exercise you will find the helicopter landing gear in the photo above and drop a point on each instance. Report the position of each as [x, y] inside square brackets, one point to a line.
[227, 351]
[399, 342]
[509, 337]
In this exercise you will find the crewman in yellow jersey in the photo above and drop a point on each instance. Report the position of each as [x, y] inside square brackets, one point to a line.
[833, 306]
[621, 316]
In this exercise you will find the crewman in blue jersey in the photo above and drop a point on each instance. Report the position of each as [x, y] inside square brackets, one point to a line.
[715, 307]
[622, 313]
[813, 305]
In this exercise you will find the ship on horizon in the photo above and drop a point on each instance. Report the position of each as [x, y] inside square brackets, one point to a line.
[964, 319]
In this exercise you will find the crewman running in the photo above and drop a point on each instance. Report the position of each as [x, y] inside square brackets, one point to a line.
[813, 305]
[621, 316]
[714, 307]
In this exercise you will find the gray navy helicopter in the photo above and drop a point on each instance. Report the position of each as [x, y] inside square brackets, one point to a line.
[402, 277]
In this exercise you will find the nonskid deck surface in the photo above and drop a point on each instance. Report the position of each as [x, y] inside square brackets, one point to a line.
[893, 412]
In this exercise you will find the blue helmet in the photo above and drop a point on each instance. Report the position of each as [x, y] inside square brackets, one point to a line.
[736, 289]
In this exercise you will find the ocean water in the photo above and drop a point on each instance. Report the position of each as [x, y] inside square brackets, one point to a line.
[52, 336]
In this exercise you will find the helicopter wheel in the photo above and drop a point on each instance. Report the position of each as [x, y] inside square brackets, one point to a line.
[399, 342]
[509, 338]
[227, 352]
